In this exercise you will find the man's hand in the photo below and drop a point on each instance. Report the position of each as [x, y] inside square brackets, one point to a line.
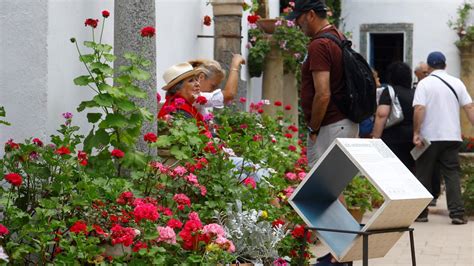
[313, 137]
[417, 140]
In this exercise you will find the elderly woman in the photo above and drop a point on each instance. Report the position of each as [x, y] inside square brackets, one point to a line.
[182, 89]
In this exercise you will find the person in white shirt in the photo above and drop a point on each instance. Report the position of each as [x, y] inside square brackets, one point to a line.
[212, 75]
[437, 103]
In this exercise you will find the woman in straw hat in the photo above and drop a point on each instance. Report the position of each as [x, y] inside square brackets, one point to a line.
[182, 89]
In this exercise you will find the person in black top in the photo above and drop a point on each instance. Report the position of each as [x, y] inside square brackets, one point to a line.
[399, 137]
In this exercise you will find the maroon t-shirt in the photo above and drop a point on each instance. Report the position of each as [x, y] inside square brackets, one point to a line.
[323, 55]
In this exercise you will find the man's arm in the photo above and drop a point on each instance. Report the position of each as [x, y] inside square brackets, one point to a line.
[383, 111]
[469, 109]
[231, 86]
[418, 117]
[321, 98]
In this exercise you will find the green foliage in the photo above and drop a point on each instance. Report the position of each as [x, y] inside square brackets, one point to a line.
[467, 171]
[3, 114]
[361, 193]
[464, 30]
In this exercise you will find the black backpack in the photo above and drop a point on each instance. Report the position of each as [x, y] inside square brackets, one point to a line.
[358, 101]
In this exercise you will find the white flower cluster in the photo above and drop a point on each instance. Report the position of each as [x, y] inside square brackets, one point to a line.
[3, 255]
[254, 238]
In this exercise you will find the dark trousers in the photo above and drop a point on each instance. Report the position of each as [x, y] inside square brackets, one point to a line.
[445, 155]
[436, 183]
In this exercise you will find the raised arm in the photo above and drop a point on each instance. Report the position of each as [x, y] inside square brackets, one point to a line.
[231, 86]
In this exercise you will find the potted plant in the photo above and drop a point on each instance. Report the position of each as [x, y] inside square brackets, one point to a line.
[360, 196]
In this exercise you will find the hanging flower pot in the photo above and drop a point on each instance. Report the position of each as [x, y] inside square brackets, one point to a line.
[267, 25]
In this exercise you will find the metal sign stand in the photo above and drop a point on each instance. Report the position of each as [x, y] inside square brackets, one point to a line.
[365, 240]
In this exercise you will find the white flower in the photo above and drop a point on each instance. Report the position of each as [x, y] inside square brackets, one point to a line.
[3, 255]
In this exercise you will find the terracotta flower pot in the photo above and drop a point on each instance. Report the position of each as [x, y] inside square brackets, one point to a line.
[267, 25]
[357, 213]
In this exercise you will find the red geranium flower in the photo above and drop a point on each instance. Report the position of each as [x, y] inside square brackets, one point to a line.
[207, 20]
[278, 222]
[150, 137]
[125, 198]
[278, 103]
[288, 107]
[249, 181]
[10, 145]
[79, 227]
[146, 211]
[293, 128]
[182, 200]
[38, 142]
[117, 153]
[91, 22]
[201, 100]
[242, 99]
[292, 148]
[3, 230]
[174, 223]
[148, 32]
[63, 150]
[139, 245]
[122, 235]
[288, 135]
[252, 19]
[260, 111]
[14, 179]
[105, 14]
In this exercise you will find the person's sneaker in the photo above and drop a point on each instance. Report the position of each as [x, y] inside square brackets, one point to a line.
[459, 220]
[432, 203]
[421, 219]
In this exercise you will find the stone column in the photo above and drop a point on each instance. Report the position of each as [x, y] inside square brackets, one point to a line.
[227, 35]
[272, 81]
[467, 76]
[130, 17]
[290, 96]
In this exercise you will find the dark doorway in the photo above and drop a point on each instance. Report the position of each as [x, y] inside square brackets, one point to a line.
[385, 48]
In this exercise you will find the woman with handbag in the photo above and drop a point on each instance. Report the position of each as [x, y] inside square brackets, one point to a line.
[394, 116]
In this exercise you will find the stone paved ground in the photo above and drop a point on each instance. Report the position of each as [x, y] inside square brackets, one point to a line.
[437, 242]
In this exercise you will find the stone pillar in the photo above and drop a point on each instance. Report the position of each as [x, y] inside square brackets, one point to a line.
[130, 17]
[272, 81]
[227, 35]
[467, 76]
[290, 95]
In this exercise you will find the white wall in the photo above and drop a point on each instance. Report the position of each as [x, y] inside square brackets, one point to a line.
[429, 18]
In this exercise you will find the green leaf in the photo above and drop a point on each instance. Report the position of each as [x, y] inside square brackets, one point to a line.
[178, 153]
[193, 140]
[93, 117]
[135, 91]
[114, 120]
[146, 63]
[104, 100]
[130, 56]
[139, 74]
[83, 80]
[125, 105]
[89, 44]
[124, 79]
[100, 138]
[135, 159]
[104, 68]
[105, 48]
[86, 104]
[146, 114]
[87, 58]
[110, 57]
[163, 141]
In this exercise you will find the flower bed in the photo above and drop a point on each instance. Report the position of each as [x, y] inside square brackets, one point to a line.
[97, 199]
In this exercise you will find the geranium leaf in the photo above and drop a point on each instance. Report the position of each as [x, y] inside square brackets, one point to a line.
[103, 100]
[139, 74]
[82, 80]
[178, 153]
[114, 120]
[134, 159]
[86, 104]
[93, 117]
[135, 92]
[109, 57]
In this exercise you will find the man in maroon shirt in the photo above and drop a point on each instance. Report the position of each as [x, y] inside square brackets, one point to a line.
[322, 80]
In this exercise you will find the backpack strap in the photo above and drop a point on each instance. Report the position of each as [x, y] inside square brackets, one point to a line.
[341, 41]
[449, 86]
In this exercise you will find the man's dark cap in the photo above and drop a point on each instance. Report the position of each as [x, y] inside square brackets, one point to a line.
[435, 59]
[302, 6]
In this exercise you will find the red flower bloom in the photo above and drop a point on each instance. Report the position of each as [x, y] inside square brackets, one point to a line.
[249, 181]
[105, 14]
[207, 20]
[278, 222]
[79, 227]
[139, 245]
[150, 137]
[63, 150]
[182, 200]
[260, 111]
[257, 137]
[14, 179]
[146, 211]
[210, 148]
[174, 223]
[292, 148]
[122, 235]
[10, 145]
[148, 32]
[288, 107]
[252, 19]
[242, 99]
[99, 230]
[125, 198]
[201, 100]
[3, 230]
[38, 142]
[91, 22]
[298, 232]
[293, 128]
[288, 135]
[117, 153]
[278, 103]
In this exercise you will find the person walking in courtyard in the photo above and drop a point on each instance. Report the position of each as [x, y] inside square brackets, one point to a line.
[321, 80]
[421, 72]
[437, 101]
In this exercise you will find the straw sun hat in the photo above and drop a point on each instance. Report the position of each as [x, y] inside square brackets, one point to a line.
[177, 73]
